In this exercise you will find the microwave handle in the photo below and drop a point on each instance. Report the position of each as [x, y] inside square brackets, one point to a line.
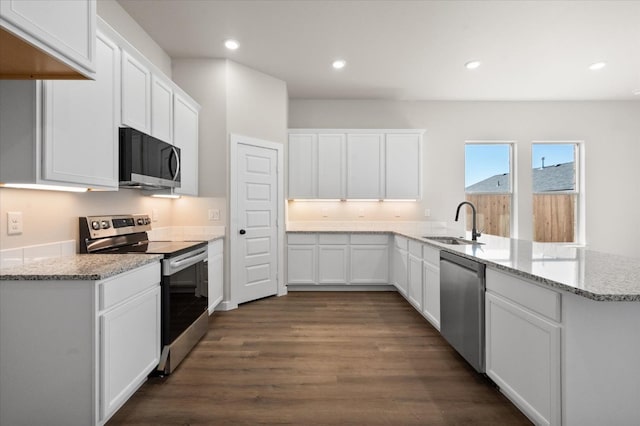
[175, 152]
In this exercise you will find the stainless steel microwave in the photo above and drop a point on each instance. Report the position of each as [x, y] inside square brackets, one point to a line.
[147, 162]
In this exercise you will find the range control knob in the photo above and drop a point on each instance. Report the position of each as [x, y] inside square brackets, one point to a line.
[105, 224]
[95, 225]
[147, 221]
[140, 221]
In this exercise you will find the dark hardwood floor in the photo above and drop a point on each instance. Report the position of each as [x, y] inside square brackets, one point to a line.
[348, 358]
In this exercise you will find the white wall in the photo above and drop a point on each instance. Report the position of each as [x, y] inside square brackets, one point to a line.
[610, 131]
[256, 104]
[127, 27]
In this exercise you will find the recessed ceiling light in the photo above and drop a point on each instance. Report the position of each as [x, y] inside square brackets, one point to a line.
[339, 64]
[472, 65]
[231, 44]
[636, 92]
[597, 66]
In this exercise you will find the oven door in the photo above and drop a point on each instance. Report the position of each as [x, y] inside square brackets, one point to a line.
[184, 293]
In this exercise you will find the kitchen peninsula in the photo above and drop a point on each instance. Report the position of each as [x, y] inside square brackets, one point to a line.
[561, 320]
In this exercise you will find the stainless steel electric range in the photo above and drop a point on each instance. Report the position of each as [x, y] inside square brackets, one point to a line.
[184, 315]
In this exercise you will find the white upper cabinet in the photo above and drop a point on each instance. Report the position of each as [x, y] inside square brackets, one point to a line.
[60, 39]
[185, 137]
[332, 150]
[403, 165]
[161, 109]
[80, 138]
[136, 94]
[63, 133]
[303, 166]
[355, 164]
[365, 166]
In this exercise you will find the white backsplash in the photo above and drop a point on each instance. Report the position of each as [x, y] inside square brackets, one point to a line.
[23, 255]
[185, 233]
[409, 227]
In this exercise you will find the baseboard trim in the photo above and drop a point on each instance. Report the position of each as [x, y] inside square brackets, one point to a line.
[226, 305]
[350, 287]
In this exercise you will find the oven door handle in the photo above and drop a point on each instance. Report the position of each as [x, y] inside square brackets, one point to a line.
[178, 265]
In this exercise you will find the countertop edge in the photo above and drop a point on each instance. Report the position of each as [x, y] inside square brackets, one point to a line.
[545, 282]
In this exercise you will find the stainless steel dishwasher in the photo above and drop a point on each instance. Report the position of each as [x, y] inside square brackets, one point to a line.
[462, 286]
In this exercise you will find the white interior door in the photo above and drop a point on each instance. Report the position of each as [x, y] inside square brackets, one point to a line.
[257, 213]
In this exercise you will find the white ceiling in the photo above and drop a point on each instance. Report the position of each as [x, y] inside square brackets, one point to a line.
[530, 50]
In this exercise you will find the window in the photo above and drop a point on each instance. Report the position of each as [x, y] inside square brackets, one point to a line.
[488, 185]
[555, 191]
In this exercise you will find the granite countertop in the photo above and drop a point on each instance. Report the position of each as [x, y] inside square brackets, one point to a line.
[569, 267]
[79, 267]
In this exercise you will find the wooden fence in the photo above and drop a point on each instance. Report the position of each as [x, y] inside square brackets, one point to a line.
[554, 215]
[493, 213]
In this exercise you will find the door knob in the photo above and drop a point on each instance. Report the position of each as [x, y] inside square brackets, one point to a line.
[242, 232]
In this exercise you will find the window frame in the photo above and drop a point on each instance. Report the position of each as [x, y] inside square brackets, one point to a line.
[513, 214]
[578, 191]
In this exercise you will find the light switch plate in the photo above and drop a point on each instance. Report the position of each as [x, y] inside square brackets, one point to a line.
[214, 214]
[14, 223]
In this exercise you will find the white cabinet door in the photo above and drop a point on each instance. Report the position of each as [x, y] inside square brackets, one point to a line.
[400, 265]
[523, 358]
[185, 137]
[403, 165]
[303, 171]
[136, 94]
[130, 348]
[161, 109]
[215, 274]
[301, 264]
[431, 294]
[415, 281]
[333, 264]
[369, 264]
[365, 166]
[332, 183]
[66, 30]
[80, 138]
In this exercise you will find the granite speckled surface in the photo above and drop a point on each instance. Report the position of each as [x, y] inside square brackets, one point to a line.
[591, 274]
[79, 267]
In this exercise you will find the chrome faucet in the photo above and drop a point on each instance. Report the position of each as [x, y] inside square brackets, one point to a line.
[474, 230]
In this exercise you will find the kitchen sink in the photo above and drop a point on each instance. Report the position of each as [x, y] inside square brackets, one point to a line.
[454, 241]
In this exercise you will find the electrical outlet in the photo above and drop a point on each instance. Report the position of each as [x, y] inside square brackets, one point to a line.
[427, 212]
[214, 214]
[360, 212]
[325, 212]
[154, 215]
[14, 223]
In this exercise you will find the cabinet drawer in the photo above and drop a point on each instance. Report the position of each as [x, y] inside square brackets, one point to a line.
[333, 239]
[124, 286]
[369, 239]
[528, 294]
[301, 238]
[401, 242]
[431, 255]
[415, 248]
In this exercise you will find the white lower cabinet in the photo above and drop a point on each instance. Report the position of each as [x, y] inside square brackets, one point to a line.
[431, 285]
[215, 274]
[82, 349]
[415, 275]
[302, 258]
[369, 259]
[523, 345]
[337, 259]
[129, 344]
[399, 264]
[333, 259]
